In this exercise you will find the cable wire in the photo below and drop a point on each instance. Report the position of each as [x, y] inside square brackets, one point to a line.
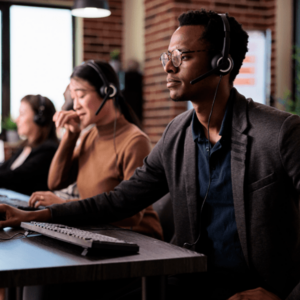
[115, 130]
[10, 238]
[209, 181]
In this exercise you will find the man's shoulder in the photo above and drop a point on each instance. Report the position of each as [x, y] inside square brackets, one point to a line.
[254, 113]
[260, 110]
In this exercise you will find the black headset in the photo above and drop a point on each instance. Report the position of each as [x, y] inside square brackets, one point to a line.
[221, 64]
[108, 90]
[40, 118]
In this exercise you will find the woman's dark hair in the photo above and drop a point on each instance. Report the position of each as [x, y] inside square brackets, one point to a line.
[48, 131]
[87, 73]
[214, 35]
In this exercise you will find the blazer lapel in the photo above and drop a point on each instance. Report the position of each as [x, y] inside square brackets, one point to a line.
[238, 159]
[190, 180]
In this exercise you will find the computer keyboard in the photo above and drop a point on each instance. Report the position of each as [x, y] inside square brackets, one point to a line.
[20, 204]
[83, 238]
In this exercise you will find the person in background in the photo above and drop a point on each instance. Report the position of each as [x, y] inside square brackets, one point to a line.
[107, 154]
[27, 170]
[133, 91]
[68, 104]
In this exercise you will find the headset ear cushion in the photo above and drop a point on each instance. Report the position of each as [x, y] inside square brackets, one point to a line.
[36, 119]
[39, 120]
[214, 61]
[102, 91]
[113, 91]
[225, 69]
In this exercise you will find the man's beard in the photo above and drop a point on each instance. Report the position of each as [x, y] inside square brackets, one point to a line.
[179, 99]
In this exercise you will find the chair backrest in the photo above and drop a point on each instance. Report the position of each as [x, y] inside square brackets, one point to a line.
[164, 209]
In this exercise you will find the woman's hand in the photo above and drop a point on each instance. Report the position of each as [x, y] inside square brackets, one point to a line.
[68, 119]
[12, 217]
[44, 198]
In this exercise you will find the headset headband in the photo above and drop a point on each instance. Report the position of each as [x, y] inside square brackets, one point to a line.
[93, 65]
[226, 42]
[107, 85]
[42, 103]
[220, 61]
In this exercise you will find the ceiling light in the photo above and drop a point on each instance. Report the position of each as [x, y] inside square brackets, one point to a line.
[91, 9]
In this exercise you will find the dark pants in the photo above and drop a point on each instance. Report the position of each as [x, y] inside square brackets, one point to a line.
[201, 286]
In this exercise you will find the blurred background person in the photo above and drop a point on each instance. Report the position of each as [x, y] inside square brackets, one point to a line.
[27, 170]
[68, 104]
[133, 91]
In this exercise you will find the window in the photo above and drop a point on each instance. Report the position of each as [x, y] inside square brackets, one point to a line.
[37, 50]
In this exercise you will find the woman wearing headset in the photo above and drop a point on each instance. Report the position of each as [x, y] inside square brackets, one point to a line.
[27, 171]
[108, 153]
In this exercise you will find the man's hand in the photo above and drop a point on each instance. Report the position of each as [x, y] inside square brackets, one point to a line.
[44, 198]
[68, 119]
[256, 294]
[12, 217]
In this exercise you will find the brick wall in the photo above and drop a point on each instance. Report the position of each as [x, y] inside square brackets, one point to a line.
[101, 36]
[160, 23]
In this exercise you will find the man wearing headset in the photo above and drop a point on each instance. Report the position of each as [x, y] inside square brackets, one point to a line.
[230, 165]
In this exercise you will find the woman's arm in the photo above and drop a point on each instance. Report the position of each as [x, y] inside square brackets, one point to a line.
[64, 167]
[148, 184]
[46, 198]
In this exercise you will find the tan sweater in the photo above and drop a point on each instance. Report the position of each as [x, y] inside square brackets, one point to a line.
[98, 168]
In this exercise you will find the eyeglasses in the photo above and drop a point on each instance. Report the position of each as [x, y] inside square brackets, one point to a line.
[175, 57]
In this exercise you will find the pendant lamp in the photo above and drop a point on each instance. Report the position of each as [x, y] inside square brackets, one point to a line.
[91, 9]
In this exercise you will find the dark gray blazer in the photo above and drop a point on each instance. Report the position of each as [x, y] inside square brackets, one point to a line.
[265, 168]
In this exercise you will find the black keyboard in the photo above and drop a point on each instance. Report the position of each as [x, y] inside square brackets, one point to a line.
[83, 238]
[20, 204]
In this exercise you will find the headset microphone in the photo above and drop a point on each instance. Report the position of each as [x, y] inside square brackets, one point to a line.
[103, 102]
[208, 73]
[222, 60]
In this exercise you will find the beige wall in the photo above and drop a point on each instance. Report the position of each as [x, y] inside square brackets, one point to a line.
[78, 41]
[134, 30]
[284, 41]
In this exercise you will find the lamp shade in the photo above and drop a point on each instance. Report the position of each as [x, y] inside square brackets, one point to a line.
[91, 9]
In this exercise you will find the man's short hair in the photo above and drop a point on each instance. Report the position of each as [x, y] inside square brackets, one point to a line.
[214, 35]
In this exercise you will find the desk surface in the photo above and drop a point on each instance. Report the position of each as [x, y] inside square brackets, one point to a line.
[14, 195]
[42, 260]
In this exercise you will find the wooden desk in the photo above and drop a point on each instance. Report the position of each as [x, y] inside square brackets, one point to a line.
[40, 260]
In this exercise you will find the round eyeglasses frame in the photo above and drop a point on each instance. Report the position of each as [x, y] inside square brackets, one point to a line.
[176, 55]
